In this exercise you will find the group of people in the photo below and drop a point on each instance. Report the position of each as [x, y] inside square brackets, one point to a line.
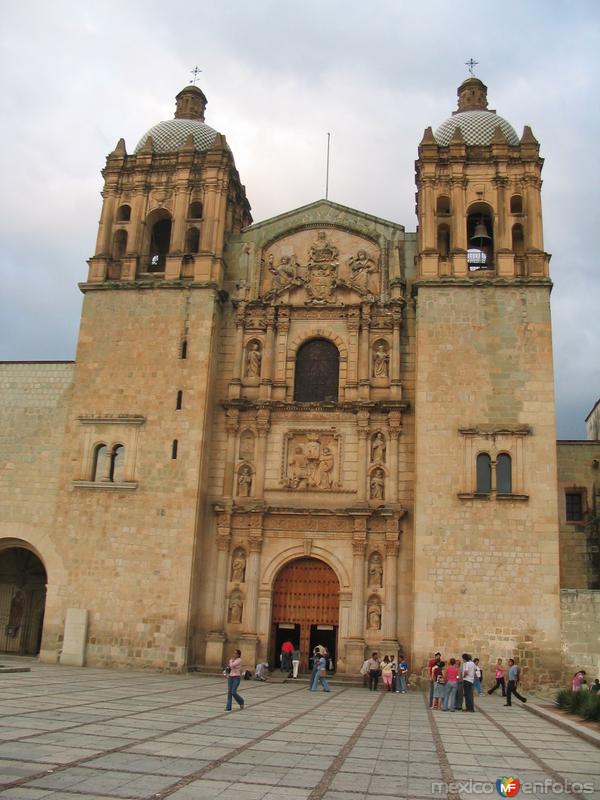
[579, 683]
[392, 670]
[453, 683]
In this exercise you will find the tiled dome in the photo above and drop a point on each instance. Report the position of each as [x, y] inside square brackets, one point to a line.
[171, 134]
[477, 127]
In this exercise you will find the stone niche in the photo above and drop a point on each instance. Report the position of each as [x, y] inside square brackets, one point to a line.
[321, 266]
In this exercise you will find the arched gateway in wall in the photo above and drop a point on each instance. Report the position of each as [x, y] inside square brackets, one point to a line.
[22, 601]
[306, 607]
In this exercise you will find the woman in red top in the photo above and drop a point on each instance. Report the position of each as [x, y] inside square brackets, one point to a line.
[451, 674]
[233, 671]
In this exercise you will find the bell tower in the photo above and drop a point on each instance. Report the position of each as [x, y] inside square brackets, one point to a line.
[485, 492]
[478, 199]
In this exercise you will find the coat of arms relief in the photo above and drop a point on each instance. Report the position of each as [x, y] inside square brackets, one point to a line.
[323, 271]
[311, 460]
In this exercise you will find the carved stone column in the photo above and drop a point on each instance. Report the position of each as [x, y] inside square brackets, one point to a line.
[390, 582]
[534, 234]
[268, 357]
[216, 637]
[364, 378]
[232, 424]
[235, 385]
[283, 328]
[429, 233]
[353, 323]
[249, 638]
[103, 244]
[395, 359]
[395, 427]
[263, 423]
[362, 421]
[357, 610]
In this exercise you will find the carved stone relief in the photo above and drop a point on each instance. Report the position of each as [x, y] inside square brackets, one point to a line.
[235, 608]
[381, 359]
[377, 485]
[378, 448]
[253, 359]
[374, 613]
[375, 570]
[244, 481]
[311, 460]
[238, 565]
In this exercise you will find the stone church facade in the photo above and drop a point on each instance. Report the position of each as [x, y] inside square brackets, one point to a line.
[319, 427]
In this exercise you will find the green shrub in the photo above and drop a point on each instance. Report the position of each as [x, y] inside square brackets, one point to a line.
[589, 706]
[575, 701]
[562, 698]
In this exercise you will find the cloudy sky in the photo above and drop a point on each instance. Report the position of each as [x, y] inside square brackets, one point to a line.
[76, 76]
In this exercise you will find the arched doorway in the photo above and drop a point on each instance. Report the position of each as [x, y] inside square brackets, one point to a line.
[22, 601]
[306, 607]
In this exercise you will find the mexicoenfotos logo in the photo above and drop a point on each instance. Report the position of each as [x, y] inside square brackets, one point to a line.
[508, 786]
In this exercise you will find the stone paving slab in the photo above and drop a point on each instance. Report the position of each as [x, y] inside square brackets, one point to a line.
[91, 734]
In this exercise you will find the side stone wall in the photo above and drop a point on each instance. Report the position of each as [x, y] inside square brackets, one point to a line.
[580, 617]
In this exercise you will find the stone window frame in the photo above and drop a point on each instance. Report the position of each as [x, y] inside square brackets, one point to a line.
[494, 442]
[305, 336]
[582, 492]
[112, 431]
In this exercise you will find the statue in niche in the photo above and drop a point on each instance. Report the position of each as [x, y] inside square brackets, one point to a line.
[236, 608]
[246, 446]
[376, 570]
[285, 273]
[381, 361]
[253, 361]
[238, 566]
[244, 481]
[374, 616]
[377, 485]
[378, 449]
[361, 266]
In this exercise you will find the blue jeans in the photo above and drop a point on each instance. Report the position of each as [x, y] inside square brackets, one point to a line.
[401, 683]
[450, 696]
[319, 679]
[477, 686]
[232, 687]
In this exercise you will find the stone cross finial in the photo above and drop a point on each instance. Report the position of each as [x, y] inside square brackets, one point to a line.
[195, 72]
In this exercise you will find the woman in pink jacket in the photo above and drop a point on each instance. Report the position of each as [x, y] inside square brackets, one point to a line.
[233, 671]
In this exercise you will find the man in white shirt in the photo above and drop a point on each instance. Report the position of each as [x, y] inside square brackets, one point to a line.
[468, 676]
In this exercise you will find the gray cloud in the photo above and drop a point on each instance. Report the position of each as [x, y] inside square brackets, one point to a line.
[76, 77]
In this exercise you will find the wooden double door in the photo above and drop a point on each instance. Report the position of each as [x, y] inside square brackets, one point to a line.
[306, 608]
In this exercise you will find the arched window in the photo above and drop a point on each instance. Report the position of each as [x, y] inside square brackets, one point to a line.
[158, 242]
[480, 237]
[503, 474]
[119, 244]
[442, 205]
[516, 204]
[100, 467]
[317, 372]
[117, 461]
[195, 210]
[518, 240]
[124, 213]
[443, 241]
[192, 240]
[484, 474]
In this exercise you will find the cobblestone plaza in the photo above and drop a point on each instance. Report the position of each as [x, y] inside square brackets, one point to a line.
[92, 734]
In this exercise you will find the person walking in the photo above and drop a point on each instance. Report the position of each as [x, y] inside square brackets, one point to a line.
[468, 675]
[233, 671]
[402, 674]
[321, 674]
[387, 673]
[364, 671]
[451, 677]
[439, 689]
[513, 680]
[374, 672]
[315, 670]
[295, 662]
[287, 648]
[478, 677]
[430, 664]
[499, 675]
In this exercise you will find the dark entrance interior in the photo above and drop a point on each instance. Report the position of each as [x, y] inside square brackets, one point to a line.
[306, 597]
[22, 601]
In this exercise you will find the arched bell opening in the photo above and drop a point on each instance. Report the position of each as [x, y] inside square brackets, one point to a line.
[480, 237]
[158, 239]
[23, 581]
[305, 610]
